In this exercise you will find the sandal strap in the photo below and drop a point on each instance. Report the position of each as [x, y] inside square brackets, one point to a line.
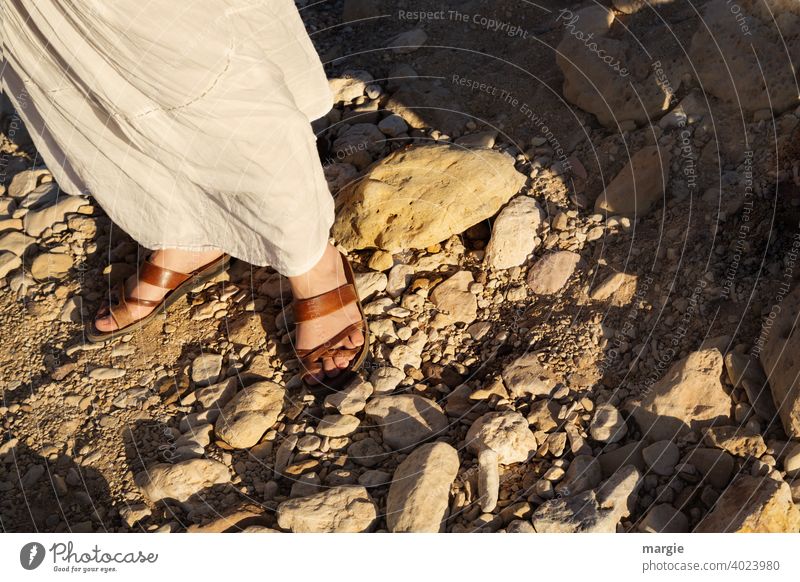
[119, 311]
[324, 304]
[160, 277]
[144, 302]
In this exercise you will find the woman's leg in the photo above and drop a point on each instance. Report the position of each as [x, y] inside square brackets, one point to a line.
[326, 275]
[213, 149]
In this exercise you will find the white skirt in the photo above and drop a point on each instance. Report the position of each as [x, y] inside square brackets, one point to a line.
[187, 121]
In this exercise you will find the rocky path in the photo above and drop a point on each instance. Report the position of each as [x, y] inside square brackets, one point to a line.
[581, 286]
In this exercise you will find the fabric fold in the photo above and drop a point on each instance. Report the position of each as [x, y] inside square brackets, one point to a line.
[188, 122]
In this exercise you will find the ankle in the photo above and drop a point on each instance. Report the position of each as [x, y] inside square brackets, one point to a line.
[183, 261]
[327, 274]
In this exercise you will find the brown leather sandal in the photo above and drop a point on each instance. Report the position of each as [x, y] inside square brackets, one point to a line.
[320, 306]
[179, 284]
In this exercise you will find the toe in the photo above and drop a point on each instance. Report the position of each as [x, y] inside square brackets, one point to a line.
[330, 367]
[357, 338]
[105, 324]
[342, 361]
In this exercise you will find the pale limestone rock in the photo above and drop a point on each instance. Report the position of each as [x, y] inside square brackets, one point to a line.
[661, 457]
[420, 105]
[506, 433]
[608, 84]
[715, 465]
[406, 420]
[337, 425]
[762, 53]
[498, 438]
[385, 379]
[403, 357]
[454, 301]
[392, 125]
[132, 514]
[338, 175]
[526, 376]
[250, 413]
[583, 473]
[107, 373]
[73, 310]
[206, 369]
[9, 262]
[368, 284]
[481, 139]
[633, 6]
[217, 395]
[745, 372]
[594, 511]
[398, 279]
[49, 266]
[381, 261]
[690, 396]
[181, 480]
[356, 145]
[552, 272]
[26, 181]
[37, 221]
[245, 519]
[132, 397]
[352, 398]
[349, 86]
[16, 242]
[520, 526]
[607, 424]
[335, 510]
[780, 358]
[791, 462]
[366, 452]
[619, 287]
[753, 505]
[418, 197]
[514, 233]
[419, 494]
[639, 186]
[736, 440]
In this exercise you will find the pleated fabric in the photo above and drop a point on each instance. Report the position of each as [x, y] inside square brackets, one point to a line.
[188, 122]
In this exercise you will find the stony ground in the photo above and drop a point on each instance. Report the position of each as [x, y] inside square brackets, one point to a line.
[579, 270]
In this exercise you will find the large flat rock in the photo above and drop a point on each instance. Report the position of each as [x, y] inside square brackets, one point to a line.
[753, 505]
[337, 510]
[422, 195]
[420, 491]
[689, 397]
[780, 358]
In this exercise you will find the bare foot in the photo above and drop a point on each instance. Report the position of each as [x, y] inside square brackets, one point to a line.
[327, 274]
[174, 260]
